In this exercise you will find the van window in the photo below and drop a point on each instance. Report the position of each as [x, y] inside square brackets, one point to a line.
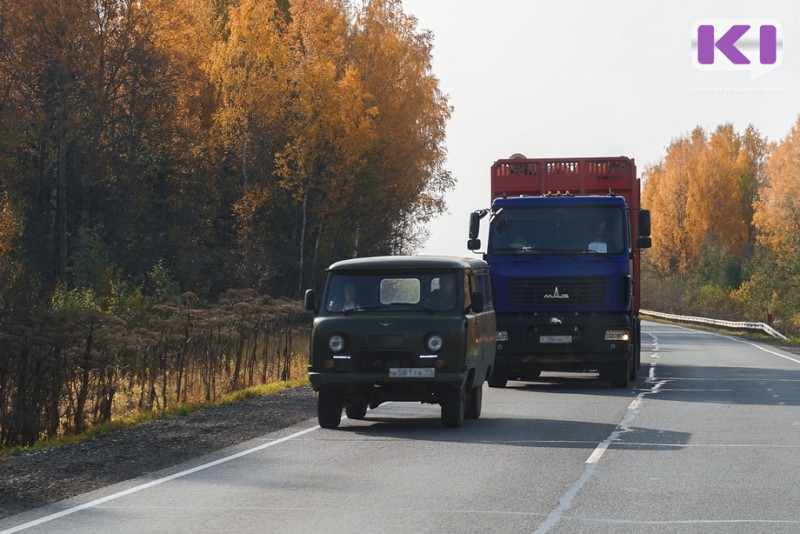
[437, 291]
[400, 291]
[485, 286]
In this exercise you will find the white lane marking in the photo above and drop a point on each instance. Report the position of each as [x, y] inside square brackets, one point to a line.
[795, 360]
[589, 466]
[731, 338]
[107, 498]
[691, 521]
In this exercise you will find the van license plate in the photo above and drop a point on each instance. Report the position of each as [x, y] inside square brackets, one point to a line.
[555, 339]
[412, 372]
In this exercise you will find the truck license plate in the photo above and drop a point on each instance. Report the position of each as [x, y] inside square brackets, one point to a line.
[412, 372]
[555, 339]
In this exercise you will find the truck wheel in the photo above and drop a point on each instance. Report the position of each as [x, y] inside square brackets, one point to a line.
[619, 374]
[474, 403]
[329, 409]
[498, 378]
[634, 365]
[356, 411]
[453, 405]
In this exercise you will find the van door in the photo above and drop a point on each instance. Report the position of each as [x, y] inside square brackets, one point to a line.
[480, 327]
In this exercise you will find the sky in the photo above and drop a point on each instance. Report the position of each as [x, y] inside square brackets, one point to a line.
[579, 79]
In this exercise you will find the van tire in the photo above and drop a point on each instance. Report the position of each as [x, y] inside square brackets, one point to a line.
[453, 407]
[474, 402]
[329, 409]
[356, 411]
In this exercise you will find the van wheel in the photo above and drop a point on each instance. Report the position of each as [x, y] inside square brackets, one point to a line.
[453, 405]
[329, 409]
[499, 377]
[474, 402]
[356, 411]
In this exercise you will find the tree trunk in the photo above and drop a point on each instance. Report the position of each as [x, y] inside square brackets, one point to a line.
[302, 243]
[83, 392]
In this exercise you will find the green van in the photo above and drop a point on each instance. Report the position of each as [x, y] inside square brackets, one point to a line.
[402, 328]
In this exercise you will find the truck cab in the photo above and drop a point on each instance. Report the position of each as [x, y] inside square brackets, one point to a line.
[563, 250]
[402, 328]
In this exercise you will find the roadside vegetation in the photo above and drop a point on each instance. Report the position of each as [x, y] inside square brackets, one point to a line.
[726, 228]
[173, 175]
[142, 417]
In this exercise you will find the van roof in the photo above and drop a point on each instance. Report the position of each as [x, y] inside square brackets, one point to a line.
[407, 262]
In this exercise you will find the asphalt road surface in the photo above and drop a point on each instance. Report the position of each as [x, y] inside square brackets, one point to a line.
[707, 440]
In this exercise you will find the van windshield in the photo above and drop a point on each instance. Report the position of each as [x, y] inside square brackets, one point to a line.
[395, 291]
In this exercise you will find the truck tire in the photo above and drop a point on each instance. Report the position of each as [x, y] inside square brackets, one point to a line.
[453, 406]
[499, 377]
[618, 374]
[356, 411]
[474, 402]
[634, 367]
[329, 409]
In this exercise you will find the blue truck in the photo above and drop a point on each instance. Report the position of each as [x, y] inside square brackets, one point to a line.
[564, 250]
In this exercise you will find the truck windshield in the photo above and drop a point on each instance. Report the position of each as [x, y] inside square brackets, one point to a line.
[395, 291]
[549, 230]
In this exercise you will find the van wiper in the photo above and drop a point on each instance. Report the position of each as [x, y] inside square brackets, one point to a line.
[365, 308]
[411, 305]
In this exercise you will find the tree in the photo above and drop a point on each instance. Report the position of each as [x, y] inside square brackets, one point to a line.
[777, 211]
[665, 195]
[404, 177]
[700, 197]
[332, 124]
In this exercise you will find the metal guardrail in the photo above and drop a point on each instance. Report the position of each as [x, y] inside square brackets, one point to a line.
[717, 322]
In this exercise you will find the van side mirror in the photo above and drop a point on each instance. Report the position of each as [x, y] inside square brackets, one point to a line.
[474, 244]
[310, 300]
[478, 302]
[644, 224]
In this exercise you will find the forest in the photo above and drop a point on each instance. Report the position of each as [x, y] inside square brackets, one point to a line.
[726, 227]
[158, 156]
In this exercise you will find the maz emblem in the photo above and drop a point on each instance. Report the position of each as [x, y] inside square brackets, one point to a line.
[557, 295]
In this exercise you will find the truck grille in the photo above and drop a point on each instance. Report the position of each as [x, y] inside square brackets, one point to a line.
[564, 292]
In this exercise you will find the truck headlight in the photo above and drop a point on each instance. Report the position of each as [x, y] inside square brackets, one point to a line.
[502, 335]
[336, 342]
[618, 335]
[435, 343]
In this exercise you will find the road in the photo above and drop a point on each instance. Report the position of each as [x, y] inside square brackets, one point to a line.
[707, 440]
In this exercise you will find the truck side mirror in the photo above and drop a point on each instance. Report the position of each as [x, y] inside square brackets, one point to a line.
[644, 242]
[474, 225]
[644, 224]
[310, 300]
[477, 302]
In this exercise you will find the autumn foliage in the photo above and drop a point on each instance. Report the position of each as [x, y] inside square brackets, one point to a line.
[243, 143]
[725, 211]
[150, 148]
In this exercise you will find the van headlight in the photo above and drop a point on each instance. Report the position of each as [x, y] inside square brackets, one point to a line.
[617, 335]
[435, 343]
[336, 343]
